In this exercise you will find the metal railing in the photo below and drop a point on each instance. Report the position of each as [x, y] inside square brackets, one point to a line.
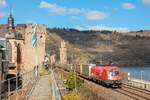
[17, 87]
[140, 84]
[55, 90]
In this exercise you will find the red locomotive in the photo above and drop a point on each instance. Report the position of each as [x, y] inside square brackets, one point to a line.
[107, 75]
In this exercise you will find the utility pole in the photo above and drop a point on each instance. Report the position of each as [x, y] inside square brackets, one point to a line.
[141, 75]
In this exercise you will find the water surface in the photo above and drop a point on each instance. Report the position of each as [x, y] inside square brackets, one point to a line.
[142, 73]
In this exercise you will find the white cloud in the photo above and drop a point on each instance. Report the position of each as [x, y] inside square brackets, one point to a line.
[146, 2]
[128, 6]
[95, 15]
[102, 27]
[2, 3]
[88, 13]
[74, 10]
[58, 9]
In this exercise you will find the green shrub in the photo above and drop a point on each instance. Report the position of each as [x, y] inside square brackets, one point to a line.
[73, 81]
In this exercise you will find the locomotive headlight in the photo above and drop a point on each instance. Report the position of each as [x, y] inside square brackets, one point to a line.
[110, 76]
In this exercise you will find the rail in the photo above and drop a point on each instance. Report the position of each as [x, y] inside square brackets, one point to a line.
[134, 92]
[55, 90]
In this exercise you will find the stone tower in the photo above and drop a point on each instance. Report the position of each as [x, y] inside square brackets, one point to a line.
[63, 53]
[14, 47]
[31, 53]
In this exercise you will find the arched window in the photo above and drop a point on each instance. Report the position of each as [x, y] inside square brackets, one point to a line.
[19, 54]
[9, 48]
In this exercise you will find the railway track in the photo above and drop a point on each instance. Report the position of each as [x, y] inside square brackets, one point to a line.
[126, 84]
[133, 92]
[137, 89]
[107, 93]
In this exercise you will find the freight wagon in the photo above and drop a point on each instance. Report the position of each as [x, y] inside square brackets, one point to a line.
[85, 70]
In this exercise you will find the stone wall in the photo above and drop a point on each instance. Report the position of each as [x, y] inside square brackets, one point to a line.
[30, 56]
[63, 53]
[14, 43]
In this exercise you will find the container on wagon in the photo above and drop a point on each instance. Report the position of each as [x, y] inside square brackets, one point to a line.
[85, 70]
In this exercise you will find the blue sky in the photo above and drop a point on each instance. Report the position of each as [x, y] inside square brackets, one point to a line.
[81, 14]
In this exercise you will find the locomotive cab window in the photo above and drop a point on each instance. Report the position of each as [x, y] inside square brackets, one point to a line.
[113, 72]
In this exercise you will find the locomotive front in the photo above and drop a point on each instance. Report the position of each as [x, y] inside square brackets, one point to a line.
[114, 76]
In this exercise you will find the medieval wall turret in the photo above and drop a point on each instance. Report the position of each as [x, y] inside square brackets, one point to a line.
[34, 56]
[63, 53]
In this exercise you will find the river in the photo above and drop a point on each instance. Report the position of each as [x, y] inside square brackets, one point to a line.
[142, 73]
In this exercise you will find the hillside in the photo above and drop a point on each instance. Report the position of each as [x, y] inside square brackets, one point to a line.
[125, 49]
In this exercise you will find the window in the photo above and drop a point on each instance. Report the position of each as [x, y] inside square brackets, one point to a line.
[9, 48]
[114, 72]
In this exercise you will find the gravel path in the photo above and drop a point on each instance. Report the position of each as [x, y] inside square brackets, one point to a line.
[42, 90]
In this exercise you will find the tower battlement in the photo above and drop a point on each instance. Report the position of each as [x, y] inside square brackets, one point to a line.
[40, 28]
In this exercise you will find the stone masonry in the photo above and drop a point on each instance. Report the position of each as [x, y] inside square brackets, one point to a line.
[63, 53]
[22, 51]
[32, 54]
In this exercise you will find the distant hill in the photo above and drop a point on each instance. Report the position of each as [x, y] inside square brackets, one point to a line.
[125, 49]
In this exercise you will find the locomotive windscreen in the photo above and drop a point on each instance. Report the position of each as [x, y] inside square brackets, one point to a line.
[114, 72]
